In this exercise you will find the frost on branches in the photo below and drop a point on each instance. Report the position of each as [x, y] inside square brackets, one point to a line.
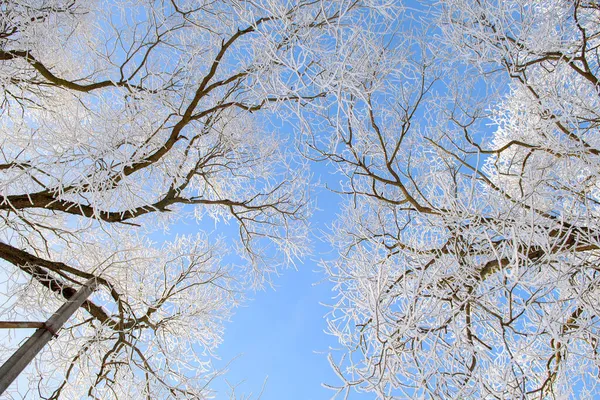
[118, 119]
[470, 244]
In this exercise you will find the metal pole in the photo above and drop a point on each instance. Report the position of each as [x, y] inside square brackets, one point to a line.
[27, 352]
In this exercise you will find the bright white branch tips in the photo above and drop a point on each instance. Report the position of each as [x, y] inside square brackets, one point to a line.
[470, 243]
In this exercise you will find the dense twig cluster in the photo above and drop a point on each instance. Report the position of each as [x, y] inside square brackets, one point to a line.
[469, 255]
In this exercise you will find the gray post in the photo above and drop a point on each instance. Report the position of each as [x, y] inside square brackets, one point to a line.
[27, 352]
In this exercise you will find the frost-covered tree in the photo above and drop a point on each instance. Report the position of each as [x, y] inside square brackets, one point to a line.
[470, 243]
[118, 119]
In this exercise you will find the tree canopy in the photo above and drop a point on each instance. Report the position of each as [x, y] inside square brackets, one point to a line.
[120, 119]
[465, 134]
[468, 248]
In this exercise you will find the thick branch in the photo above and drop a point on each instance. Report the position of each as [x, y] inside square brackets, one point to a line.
[38, 268]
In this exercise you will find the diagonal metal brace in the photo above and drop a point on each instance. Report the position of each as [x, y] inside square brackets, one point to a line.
[49, 329]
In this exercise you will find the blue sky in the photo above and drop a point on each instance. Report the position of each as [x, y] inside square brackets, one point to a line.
[278, 335]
